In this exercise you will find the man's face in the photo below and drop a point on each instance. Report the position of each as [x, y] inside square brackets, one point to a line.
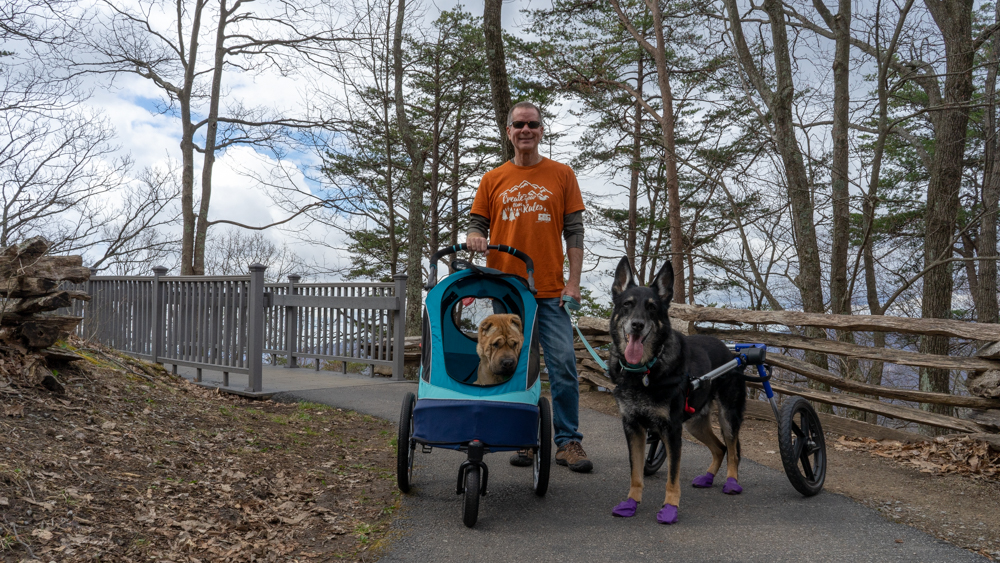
[525, 139]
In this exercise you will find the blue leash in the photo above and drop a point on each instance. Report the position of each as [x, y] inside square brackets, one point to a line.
[571, 304]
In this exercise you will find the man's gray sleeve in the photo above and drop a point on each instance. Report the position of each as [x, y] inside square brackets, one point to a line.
[479, 224]
[573, 229]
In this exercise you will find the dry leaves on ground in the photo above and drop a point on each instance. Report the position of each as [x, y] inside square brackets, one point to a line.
[126, 466]
[943, 455]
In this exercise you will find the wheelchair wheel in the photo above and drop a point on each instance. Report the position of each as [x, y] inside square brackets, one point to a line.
[803, 449]
[405, 451]
[656, 454]
[543, 454]
[470, 511]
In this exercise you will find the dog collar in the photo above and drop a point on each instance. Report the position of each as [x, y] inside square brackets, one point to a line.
[636, 368]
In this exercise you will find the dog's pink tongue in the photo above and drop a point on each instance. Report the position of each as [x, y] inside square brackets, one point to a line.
[633, 350]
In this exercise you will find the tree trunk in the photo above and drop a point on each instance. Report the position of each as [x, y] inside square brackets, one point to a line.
[633, 188]
[840, 293]
[414, 283]
[954, 19]
[394, 244]
[211, 136]
[779, 102]
[187, 145]
[986, 296]
[497, 63]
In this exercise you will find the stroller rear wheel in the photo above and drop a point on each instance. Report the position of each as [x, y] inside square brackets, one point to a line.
[470, 511]
[405, 450]
[543, 455]
[656, 453]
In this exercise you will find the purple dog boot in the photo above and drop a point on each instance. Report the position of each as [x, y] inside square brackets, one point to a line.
[732, 487]
[625, 509]
[667, 514]
[703, 481]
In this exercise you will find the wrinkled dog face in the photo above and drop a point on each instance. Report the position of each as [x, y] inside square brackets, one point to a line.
[500, 341]
[639, 320]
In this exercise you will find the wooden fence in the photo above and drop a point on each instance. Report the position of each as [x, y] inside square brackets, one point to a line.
[976, 414]
[227, 323]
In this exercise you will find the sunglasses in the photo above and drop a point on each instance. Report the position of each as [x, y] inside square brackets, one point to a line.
[530, 124]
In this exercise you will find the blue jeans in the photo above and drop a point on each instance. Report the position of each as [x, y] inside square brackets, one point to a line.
[555, 334]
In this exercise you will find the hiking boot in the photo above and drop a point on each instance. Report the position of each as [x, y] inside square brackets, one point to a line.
[572, 455]
[523, 458]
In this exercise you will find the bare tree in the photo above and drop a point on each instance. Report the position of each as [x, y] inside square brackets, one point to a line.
[232, 253]
[187, 61]
[778, 100]
[135, 225]
[54, 165]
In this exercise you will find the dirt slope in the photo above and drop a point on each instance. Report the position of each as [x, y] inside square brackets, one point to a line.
[134, 464]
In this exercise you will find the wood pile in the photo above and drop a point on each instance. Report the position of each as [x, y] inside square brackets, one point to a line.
[29, 288]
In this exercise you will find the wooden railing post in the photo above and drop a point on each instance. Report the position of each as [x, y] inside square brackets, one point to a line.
[255, 328]
[84, 330]
[292, 323]
[157, 324]
[398, 317]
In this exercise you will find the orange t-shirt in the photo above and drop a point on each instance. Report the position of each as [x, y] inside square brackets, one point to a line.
[525, 206]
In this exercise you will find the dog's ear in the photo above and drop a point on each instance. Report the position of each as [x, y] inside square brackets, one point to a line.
[623, 278]
[663, 283]
[486, 327]
[516, 321]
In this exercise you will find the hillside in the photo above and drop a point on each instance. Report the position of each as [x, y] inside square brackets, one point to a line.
[129, 463]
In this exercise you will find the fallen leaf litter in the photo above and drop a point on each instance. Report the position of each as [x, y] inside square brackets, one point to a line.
[135, 464]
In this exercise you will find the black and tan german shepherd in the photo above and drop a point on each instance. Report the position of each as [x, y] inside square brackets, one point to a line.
[652, 366]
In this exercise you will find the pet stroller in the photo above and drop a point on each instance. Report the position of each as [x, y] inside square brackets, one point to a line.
[452, 411]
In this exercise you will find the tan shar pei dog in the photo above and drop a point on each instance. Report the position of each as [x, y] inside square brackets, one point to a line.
[499, 347]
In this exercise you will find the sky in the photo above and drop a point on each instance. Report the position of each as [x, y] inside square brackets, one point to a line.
[152, 139]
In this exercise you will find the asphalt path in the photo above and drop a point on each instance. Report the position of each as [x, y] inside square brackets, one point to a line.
[770, 521]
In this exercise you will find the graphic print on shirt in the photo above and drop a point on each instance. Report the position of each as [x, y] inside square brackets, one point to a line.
[524, 199]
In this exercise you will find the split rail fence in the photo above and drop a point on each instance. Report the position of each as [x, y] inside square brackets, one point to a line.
[228, 323]
[979, 414]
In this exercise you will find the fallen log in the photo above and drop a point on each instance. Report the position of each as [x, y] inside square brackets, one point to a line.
[985, 384]
[899, 357]
[878, 323]
[597, 379]
[58, 268]
[50, 302]
[877, 407]
[823, 376]
[991, 350]
[839, 425]
[42, 331]
[19, 255]
[26, 287]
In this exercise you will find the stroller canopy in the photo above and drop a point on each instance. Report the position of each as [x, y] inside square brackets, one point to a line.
[449, 362]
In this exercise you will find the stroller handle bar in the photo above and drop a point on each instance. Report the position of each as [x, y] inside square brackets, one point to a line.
[432, 277]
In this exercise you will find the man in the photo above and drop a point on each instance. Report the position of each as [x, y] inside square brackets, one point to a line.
[529, 203]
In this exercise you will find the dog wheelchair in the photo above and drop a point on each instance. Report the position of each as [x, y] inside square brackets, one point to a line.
[450, 410]
[800, 435]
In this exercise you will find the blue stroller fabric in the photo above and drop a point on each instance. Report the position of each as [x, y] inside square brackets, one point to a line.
[450, 410]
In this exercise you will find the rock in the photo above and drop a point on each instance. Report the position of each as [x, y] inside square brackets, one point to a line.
[991, 351]
[986, 384]
[993, 440]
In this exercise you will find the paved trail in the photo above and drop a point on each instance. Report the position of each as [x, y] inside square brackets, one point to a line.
[770, 521]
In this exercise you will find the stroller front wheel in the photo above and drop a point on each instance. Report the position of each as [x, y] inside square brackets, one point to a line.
[470, 511]
[405, 451]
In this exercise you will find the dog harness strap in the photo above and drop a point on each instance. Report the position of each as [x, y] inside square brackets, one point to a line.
[687, 394]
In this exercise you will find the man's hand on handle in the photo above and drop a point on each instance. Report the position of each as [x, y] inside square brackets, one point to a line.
[477, 243]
